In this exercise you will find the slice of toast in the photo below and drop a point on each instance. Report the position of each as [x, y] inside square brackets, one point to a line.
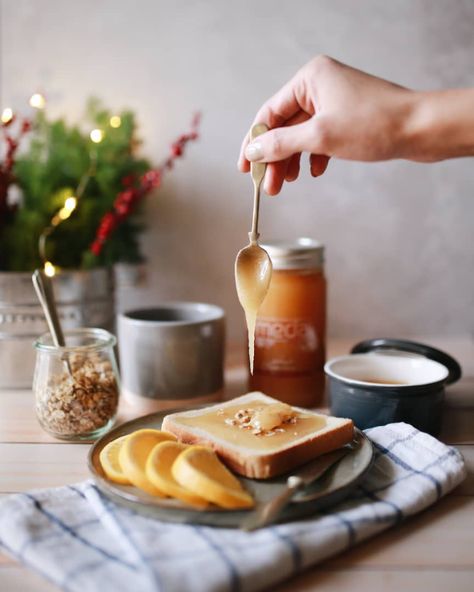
[260, 437]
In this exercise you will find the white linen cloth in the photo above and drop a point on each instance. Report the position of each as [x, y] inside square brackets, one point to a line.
[82, 542]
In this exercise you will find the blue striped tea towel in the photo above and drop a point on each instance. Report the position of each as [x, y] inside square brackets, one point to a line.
[82, 542]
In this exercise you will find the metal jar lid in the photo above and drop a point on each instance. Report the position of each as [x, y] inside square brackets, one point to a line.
[300, 253]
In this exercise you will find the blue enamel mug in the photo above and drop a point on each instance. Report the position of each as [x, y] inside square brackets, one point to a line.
[391, 380]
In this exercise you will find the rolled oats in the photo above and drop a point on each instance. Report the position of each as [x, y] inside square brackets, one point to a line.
[79, 404]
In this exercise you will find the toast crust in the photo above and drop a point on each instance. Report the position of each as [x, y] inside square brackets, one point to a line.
[256, 464]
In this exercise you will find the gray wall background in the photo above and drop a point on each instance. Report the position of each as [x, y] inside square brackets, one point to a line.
[399, 236]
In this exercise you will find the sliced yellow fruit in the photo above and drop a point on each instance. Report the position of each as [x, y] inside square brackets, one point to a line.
[134, 453]
[198, 468]
[109, 459]
[158, 471]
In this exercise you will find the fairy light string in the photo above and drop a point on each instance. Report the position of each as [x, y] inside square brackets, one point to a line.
[134, 189]
[70, 204]
[7, 119]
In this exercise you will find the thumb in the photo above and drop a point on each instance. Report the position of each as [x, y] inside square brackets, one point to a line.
[282, 142]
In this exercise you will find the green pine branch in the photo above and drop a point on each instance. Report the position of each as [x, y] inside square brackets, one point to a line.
[50, 169]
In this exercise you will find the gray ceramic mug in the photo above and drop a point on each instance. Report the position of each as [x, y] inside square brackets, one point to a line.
[171, 355]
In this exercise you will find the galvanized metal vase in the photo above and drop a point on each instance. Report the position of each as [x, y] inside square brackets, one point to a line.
[84, 298]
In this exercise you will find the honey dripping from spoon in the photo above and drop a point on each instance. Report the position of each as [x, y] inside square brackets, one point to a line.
[253, 266]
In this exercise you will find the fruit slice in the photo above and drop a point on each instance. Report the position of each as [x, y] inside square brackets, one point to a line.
[134, 453]
[197, 468]
[158, 471]
[109, 459]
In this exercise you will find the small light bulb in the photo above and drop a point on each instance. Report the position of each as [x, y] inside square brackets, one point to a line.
[70, 204]
[97, 135]
[64, 214]
[115, 121]
[49, 269]
[37, 101]
[7, 115]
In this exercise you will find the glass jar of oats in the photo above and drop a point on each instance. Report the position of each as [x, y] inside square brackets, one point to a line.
[76, 387]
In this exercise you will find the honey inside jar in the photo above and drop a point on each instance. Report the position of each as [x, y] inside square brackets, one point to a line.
[291, 326]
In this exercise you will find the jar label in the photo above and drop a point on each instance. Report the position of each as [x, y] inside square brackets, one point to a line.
[298, 333]
[287, 345]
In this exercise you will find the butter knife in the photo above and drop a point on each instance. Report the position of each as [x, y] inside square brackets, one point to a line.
[267, 512]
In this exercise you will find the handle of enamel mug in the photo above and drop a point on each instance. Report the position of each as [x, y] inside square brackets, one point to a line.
[412, 347]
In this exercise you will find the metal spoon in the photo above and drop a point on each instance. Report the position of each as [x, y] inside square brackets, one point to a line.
[268, 511]
[253, 266]
[44, 291]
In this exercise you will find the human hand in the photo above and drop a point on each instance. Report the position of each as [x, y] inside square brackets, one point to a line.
[328, 109]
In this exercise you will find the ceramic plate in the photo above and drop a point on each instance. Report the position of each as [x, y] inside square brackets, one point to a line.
[335, 485]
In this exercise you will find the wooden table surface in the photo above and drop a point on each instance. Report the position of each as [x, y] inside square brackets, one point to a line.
[431, 551]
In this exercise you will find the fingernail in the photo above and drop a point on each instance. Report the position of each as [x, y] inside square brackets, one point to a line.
[254, 151]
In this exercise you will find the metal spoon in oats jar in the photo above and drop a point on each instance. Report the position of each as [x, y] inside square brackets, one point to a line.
[75, 382]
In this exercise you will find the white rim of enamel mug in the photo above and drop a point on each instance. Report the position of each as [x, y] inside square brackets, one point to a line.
[328, 370]
[216, 314]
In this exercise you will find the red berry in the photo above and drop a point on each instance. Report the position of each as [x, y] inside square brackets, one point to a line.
[122, 208]
[126, 196]
[96, 247]
[25, 126]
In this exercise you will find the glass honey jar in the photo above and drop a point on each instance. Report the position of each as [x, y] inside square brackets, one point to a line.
[290, 336]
